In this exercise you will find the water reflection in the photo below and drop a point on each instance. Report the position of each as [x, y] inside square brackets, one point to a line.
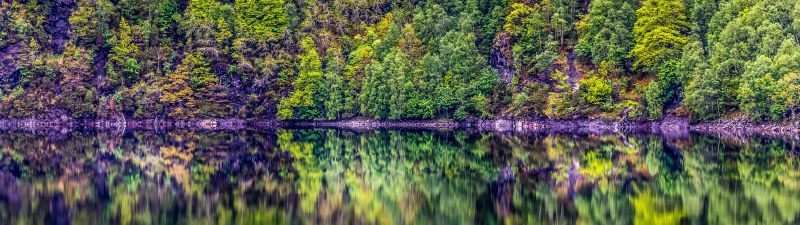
[394, 177]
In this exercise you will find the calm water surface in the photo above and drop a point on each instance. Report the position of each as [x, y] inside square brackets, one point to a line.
[395, 177]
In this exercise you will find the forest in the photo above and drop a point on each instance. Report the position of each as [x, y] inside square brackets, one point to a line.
[400, 59]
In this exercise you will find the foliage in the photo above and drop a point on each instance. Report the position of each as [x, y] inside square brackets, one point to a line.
[178, 95]
[596, 90]
[664, 89]
[123, 68]
[756, 91]
[789, 92]
[534, 51]
[605, 33]
[659, 32]
[303, 102]
[261, 19]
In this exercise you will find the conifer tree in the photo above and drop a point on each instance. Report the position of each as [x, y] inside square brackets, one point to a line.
[303, 101]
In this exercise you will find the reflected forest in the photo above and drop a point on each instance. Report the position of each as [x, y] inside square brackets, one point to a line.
[319, 176]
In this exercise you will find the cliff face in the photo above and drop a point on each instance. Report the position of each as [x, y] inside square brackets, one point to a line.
[8, 61]
[501, 57]
[57, 24]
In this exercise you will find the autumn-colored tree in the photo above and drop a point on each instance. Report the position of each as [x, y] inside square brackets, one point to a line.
[177, 94]
[77, 92]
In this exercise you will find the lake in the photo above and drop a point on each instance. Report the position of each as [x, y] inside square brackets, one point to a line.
[322, 176]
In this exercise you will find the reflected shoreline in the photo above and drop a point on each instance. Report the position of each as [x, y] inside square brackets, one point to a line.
[669, 126]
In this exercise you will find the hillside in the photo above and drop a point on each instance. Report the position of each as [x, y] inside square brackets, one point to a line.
[396, 59]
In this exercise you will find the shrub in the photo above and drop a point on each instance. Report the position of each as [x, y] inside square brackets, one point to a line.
[596, 90]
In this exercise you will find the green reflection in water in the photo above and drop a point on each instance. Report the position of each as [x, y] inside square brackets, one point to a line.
[394, 177]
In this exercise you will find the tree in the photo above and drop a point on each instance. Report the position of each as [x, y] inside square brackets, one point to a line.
[375, 93]
[355, 73]
[77, 93]
[596, 90]
[692, 61]
[206, 86]
[563, 15]
[787, 57]
[534, 50]
[605, 33]
[466, 73]
[261, 19]
[559, 103]
[796, 22]
[85, 24]
[492, 22]
[431, 21]
[727, 60]
[122, 66]
[385, 92]
[787, 62]
[757, 90]
[703, 94]
[334, 86]
[397, 67]
[177, 94]
[789, 93]
[410, 44]
[699, 13]
[663, 90]
[659, 33]
[302, 102]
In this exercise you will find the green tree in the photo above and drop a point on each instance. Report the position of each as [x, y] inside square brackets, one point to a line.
[699, 13]
[303, 101]
[123, 67]
[85, 23]
[757, 89]
[261, 19]
[206, 86]
[605, 33]
[659, 33]
[796, 22]
[385, 93]
[534, 50]
[492, 22]
[563, 15]
[334, 86]
[664, 89]
[431, 21]
[703, 94]
[397, 67]
[355, 73]
[466, 74]
[726, 64]
[560, 103]
[375, 92]
[596, 90]
[789, 93]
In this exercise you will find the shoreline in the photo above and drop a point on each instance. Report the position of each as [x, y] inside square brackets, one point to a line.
[668, 125]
